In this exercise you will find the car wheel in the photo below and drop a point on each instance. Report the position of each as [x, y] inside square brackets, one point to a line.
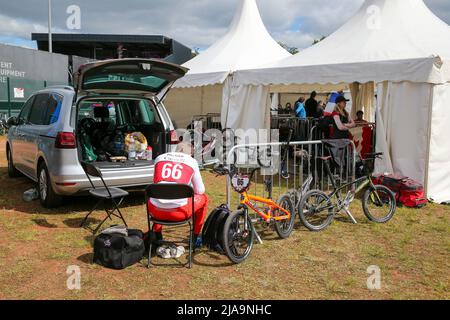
[48, 197]
[12, 171]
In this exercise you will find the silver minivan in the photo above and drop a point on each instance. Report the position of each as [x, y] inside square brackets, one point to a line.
[59, 127]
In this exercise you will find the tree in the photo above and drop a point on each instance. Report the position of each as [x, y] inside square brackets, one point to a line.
[318, 40]
[291, 50]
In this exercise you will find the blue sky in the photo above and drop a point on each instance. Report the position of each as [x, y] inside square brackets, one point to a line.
[196, 23]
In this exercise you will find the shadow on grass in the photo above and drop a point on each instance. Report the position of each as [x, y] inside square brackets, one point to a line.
[44, 223]
[12, 189]
[75, 223]
[213, 256]
[87, 258]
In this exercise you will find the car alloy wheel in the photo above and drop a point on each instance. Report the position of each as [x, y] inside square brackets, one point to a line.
[43, 184]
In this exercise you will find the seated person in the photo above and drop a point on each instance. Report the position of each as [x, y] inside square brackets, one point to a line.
[359, 121]
[179, 168]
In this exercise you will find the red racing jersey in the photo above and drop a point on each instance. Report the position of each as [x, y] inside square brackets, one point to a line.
[177, 168]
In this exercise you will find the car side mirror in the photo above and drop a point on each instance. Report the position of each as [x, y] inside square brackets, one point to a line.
[12, 122]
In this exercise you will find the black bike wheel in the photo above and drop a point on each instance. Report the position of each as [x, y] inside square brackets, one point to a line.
[379, 204]
[315, 210]
[238, 237]
[284, 228]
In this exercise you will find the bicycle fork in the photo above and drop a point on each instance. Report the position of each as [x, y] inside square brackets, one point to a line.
[246, 220]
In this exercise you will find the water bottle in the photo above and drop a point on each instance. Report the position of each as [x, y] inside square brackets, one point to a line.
[149, 154]
[132, 149]
[118, 144]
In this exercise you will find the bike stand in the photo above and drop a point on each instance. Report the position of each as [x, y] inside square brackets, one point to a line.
[258, 238]
[347, 211]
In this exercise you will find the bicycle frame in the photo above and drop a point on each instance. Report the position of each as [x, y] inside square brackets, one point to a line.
[246, 200]
[365, 181]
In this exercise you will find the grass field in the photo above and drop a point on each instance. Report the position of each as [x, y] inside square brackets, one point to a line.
[37, 246]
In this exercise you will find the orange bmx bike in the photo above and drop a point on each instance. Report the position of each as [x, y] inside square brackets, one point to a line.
[239, 232]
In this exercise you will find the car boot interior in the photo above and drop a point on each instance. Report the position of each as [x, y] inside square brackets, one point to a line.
[104, 124]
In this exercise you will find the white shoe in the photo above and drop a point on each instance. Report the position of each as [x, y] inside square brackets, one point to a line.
[170, 252]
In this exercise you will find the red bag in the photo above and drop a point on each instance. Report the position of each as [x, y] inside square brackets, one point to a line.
[408, 192]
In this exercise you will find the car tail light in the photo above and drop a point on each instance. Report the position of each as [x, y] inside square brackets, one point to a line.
[65, 140]
[174, 137]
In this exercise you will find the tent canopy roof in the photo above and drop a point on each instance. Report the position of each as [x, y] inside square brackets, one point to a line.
[246, 45]
[392, 40]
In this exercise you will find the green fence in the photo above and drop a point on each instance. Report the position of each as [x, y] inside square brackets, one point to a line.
[11, 90]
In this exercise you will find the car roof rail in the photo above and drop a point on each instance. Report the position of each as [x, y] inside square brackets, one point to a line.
[66, 87]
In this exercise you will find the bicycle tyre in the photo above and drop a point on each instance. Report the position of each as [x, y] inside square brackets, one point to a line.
[284, 228]
[304, 204]
[229, 237]
[392, 202]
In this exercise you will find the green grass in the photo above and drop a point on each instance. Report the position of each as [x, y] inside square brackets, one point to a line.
[37, 246]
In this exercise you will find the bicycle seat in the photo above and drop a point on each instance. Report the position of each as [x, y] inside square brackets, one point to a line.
[324, 158]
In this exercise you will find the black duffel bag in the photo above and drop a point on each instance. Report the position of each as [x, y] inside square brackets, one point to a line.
[117, 251]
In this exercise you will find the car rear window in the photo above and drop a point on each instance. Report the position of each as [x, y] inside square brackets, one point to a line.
[121, 112]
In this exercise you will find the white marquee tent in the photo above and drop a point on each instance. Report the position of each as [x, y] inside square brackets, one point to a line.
[398, 46]
[246, 45]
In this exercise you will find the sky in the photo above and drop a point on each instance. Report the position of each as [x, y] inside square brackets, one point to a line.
[195, 23]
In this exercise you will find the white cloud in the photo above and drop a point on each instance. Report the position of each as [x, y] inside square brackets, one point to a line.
[196, 23]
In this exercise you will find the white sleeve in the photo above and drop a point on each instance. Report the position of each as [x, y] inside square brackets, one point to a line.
[197, 181]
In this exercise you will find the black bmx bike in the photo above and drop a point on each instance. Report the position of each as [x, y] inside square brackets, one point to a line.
[317, 209]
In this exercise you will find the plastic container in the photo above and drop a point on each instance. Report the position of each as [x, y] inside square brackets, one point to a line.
[149, 154]
[31, 195]
[132, 149]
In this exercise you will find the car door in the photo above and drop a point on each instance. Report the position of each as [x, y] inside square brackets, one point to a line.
[31, 132]
[17, 135]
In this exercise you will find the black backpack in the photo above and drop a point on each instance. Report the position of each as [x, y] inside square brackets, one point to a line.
[117, 251]
[212, 233]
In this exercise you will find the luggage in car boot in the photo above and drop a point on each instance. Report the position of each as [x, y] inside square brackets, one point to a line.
[119, 249]
[408, 192]
[212, 233]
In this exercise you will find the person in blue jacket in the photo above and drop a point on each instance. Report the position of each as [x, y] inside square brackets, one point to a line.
[300, 110]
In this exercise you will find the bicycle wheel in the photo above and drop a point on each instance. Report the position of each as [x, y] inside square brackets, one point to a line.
[379, 204]
[238, 237]
[316, 210]
[284, 227]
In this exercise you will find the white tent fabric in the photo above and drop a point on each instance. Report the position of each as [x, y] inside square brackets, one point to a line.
[246, 45]
[438, 175]
[392, 40]
[394, 44]
[405, 142]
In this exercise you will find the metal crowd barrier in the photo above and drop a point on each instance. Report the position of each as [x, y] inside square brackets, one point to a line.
[303, 162]
[301, 127]
[208, 121]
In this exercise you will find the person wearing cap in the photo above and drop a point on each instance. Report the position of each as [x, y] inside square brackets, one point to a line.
[342, 122]
[311, 106]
